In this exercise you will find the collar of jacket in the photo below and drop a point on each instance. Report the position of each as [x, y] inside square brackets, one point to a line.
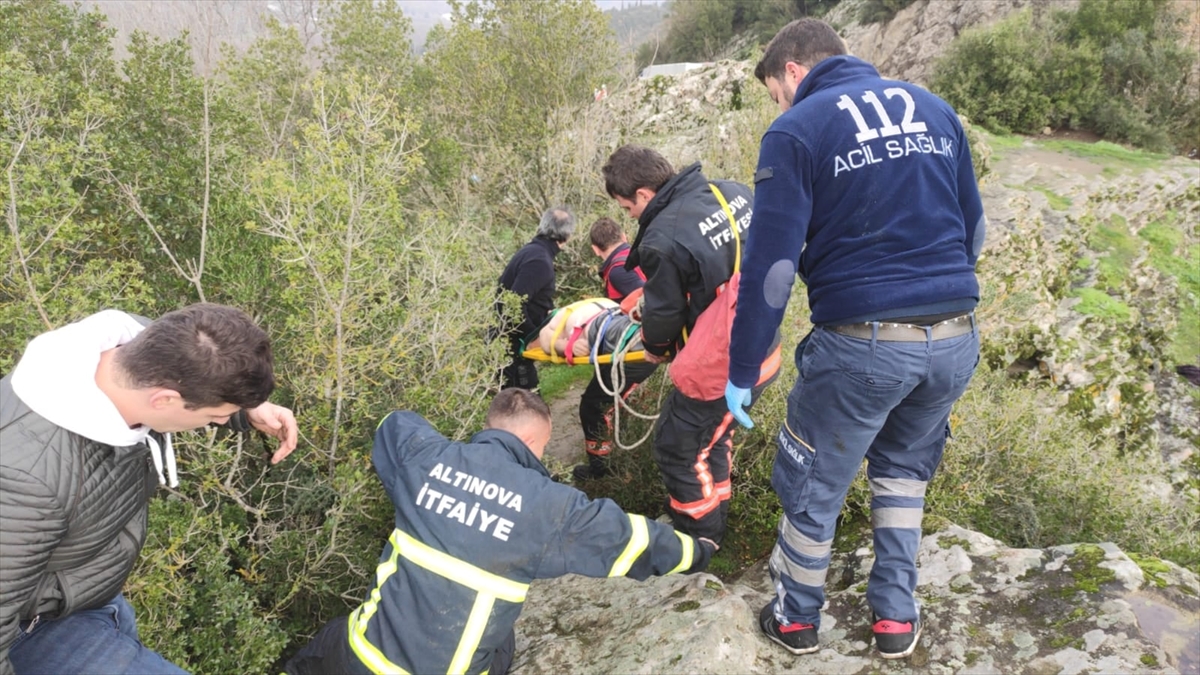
[684, 181]
[832, 72]
[547, 243]
[520, 453]
[612, 257]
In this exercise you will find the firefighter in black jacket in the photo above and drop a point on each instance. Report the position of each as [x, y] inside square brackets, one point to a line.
[686, 247]
[475, 523]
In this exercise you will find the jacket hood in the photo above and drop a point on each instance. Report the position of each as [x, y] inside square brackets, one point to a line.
[56, 378]
[684, 180]
[515, 447]
[833, 71]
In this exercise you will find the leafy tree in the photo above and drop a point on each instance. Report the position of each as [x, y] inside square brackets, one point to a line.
[372, 37]
[497, 76]
[159, 179]
[264, 91]
[703, 30]
[56, 117]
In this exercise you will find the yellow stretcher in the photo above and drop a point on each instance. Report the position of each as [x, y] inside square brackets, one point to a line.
[539, 354]
[536, 353]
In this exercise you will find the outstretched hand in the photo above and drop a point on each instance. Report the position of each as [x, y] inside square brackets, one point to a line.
[735, 398]
[278, 421]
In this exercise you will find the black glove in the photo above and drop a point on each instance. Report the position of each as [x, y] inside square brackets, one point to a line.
[706, 549]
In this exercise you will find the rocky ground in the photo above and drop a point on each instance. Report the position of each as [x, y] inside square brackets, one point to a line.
[1066, 610]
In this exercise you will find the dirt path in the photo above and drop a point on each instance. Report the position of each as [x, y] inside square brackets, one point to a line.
[566, 438]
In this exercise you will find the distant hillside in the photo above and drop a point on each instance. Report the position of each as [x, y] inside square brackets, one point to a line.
[638, 23]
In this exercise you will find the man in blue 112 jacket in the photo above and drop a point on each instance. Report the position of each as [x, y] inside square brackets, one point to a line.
[865, 189]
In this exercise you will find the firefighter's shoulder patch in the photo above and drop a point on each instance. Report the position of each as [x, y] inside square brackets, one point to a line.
[765, 173]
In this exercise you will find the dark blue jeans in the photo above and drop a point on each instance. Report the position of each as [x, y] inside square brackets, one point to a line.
[103, 641]
[856, 399]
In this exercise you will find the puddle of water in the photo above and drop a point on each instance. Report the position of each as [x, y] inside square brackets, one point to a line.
[1177, 632]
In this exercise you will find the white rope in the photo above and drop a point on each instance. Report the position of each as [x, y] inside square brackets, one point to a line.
[618, 380]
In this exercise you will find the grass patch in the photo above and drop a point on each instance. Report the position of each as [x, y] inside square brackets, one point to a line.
[1099, 304]
[555, 379]
[1118, 248]
[1001, 143]
[1169, 255]
[1107, 153]
[1153, 568]
[1057, 201]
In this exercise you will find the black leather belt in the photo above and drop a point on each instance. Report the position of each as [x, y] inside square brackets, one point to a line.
[907, 332]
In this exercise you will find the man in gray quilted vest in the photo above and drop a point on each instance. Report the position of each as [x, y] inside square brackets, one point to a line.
[86, 419]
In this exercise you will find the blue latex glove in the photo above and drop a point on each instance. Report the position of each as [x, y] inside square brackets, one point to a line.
[735, 398]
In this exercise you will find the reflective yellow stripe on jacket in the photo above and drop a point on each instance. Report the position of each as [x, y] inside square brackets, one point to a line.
[638, 540]
[489, 587]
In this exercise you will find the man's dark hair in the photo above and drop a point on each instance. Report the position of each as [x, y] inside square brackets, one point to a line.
[211, 354]
[632, 168]
[605, 232]
[516, 405]
[806, 42]
[557, 224]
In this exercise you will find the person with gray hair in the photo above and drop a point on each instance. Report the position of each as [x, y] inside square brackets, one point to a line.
[530, 274]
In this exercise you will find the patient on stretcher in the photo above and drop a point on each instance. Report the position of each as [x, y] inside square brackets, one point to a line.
[598, 322]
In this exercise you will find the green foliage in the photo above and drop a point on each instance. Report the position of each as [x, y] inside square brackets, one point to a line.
[1115, 67]
[507, 76]
[704, 30]
[57, 113]
[1170, 255]
[188, 602]
[637, 24]
[1035, 480]
[371, 37]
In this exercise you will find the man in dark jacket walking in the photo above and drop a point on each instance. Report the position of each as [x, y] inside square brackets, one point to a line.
[611, 246]
[686, 246]
[865, 188]
[530, 274]
[476, 522]
[86, 419]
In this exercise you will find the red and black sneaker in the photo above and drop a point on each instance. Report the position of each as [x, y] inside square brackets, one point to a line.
[895, 639]
[797, 638]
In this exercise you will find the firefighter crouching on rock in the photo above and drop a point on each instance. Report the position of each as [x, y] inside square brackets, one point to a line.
[475, 523]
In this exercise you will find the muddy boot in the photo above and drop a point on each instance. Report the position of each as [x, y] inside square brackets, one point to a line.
[597, 465]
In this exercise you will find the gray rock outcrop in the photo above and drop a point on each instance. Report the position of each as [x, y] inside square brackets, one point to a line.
[987, 608]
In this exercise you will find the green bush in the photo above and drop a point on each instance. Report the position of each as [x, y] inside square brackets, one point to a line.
[1115, 67]
[1022, 472]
